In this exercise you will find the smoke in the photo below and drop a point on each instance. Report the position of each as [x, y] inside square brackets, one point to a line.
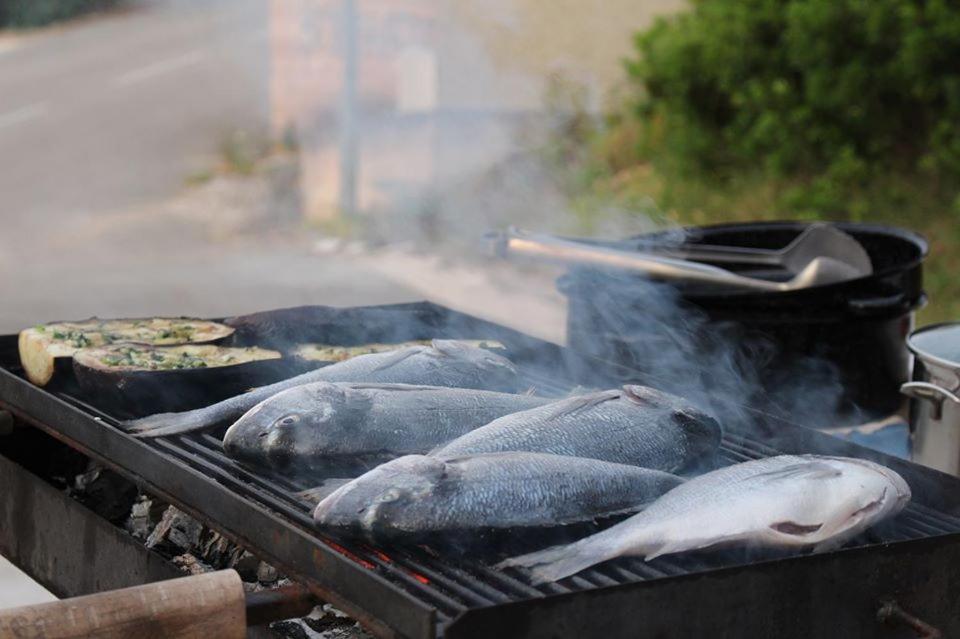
[670, 343]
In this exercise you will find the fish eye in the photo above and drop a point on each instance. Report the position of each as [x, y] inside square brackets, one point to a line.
[391, 495]
[287, 420]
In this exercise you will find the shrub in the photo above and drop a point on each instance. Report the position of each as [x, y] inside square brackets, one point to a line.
[35, 13]
[837, 93]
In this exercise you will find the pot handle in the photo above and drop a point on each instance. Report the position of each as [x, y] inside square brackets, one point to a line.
[930, 392]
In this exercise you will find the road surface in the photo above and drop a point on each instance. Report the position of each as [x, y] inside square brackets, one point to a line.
[114, 112]
[110, 111]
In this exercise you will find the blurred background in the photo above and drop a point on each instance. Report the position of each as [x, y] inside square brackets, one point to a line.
[222, 156]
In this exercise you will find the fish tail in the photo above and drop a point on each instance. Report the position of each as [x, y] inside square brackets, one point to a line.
[558, 562]
[164, 424]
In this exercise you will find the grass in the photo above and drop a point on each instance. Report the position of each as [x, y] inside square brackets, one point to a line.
[240, 153]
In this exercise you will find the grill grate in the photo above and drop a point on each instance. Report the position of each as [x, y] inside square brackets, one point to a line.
[454, 588]
[418, 590]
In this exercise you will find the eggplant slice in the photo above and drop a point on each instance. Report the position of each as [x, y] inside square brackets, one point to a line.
[46, 348]
[142, 380]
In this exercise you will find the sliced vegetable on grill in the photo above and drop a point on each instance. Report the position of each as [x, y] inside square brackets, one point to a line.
[141, 379]
[339, 353]
[45, 348]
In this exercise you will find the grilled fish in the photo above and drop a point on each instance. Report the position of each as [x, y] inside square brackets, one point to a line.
[634, 425]
[317, 421]
[786, 501]
[417, 494]
[445, 363]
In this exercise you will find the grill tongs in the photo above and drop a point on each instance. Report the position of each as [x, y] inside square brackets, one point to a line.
[837, 261]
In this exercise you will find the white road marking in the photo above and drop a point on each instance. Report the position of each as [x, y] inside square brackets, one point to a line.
[23, 114]
[158, 68]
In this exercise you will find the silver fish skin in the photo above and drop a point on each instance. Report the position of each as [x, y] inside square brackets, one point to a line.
[317, 421]
[444, 363]
[784, 501]
[634, 425]
[417, 494]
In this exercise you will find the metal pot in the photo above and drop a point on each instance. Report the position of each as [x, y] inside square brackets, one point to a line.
[858, 326]
[933, 393]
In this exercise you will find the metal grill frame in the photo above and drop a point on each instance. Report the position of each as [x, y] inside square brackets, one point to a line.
[386, 593]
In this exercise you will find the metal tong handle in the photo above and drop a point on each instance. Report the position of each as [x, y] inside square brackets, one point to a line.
[931, 393]
[717, 253]
[547, 247]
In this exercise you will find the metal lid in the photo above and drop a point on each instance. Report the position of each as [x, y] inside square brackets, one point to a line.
[938, 343]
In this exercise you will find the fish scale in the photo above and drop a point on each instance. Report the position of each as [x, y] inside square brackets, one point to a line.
[445, 363]
[349, 420]
[634, 425]
[786, 501]
[418, 494]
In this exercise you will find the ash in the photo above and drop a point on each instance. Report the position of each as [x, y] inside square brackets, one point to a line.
[197, 549]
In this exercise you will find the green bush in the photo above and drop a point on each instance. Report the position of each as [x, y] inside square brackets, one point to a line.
[834, 93]
[35, 13]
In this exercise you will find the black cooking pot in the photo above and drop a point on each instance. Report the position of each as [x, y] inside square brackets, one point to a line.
[849, 335]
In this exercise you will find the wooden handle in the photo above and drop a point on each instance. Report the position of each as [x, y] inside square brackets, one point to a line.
[208, 606]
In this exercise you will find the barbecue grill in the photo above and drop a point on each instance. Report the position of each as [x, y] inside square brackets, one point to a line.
[882, 584]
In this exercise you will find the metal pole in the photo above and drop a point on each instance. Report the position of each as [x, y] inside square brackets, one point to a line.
[348, 113]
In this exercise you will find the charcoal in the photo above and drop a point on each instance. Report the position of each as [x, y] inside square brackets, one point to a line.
[217, 550]
[289, 628]
[266, 574]
[321, 623]
[105, 492]
[191, 565]
[246, 566]
[176, 531]
[328, 622]
[144, 516]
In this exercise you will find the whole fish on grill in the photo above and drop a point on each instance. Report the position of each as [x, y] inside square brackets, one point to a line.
[318, 421]
[444, 363]
[634, 425]
[418, 495]
[786, 501]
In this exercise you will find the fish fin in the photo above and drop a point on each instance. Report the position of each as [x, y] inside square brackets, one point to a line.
[457, 349]
[851, 526]
[653, 550]
[629, 510]
[165, 424]
[390, 387]
[795, 529]
[574, 405]
[647, 396]
[810, 470]
[450, 347]
[398, 356]
[316, 494]
[552, 564]
[830, 544]
[663, 549]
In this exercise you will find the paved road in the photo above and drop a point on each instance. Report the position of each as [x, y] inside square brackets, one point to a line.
[111, 113]
[114, 110]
